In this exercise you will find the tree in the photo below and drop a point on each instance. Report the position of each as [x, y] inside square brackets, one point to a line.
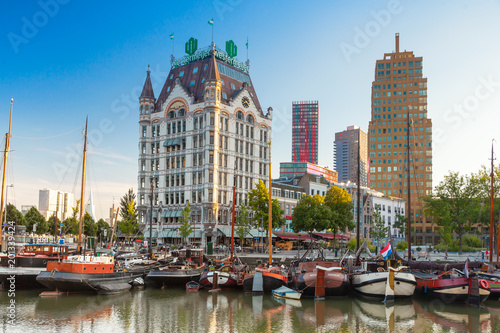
[14, 215]
[89, 225]
[128, 225]
[340, 204]
[378, 228]
[242, 222]
[455, 204]
[311, 214]
[52, 223]
[33, 216]
[401, 223]
[125, 211]
[70, 226]
[101, 226]
[185, 227]
[258, 201]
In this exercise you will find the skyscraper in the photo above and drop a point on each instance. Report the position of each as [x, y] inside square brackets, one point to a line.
[305, 131]
[399, 91]
[204, 133]
[346, 155]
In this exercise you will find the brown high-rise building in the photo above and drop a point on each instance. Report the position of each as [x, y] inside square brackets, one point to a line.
[399, 93]
[345, 155]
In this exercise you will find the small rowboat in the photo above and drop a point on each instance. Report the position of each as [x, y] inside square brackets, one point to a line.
[285, 292]
[192, 286]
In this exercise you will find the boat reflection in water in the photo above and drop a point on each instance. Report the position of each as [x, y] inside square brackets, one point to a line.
[174, 310]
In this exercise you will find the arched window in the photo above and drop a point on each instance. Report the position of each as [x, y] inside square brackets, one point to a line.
[171, 114]
[182, 112]
[239, 115]
[250, 119]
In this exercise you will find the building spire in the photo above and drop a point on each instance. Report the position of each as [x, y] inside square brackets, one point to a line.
[213, 71]
[147, 91]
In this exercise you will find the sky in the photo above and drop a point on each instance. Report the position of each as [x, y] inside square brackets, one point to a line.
[64, 60]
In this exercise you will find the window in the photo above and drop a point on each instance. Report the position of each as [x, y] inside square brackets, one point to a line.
[192, 83]
[181, 74]
[239, 115]
[232, 86]
[144, 131]
[195, 70]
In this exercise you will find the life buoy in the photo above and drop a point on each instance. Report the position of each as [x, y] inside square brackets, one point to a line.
[484, 284]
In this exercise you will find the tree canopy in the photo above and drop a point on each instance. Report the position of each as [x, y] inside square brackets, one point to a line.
[33, 216]
[185, 227]
[14, 215]
[311, 214]
[340, 203]
[378, 228]
[258, 201]
[243, 223]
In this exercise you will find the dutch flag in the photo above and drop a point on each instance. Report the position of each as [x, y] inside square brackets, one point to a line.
[386, 251]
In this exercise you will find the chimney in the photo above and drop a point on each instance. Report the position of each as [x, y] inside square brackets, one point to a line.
[397, 42]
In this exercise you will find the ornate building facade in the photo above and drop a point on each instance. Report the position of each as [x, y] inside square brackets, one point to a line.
[204, 133]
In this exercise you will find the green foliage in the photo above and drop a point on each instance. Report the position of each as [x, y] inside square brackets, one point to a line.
[351, 245]
[455, 204]
[340, 204]
[472, 241]
[403, 245]
[70, 226]
[33, 216]
[311, 214]
[101, 226]
[89, 225]
[378, 229]
[14, 215]
[185, 227]
[52, 223]
[128, 225]
[258, 201]
[401, 223]
[242, 221]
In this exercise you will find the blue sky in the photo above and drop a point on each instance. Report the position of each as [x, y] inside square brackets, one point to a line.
[89, 58]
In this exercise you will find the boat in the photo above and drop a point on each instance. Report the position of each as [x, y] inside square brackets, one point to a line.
[88, 274]
[449, 287]
[336, 281]
[28, 263]
[494, 282]
[285, 292]
[187, 266]
[374, 284]
[270, 278]
[192, 286]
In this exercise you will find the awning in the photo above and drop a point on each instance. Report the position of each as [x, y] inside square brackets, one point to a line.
[172, 142]
[146, 233]
[155, 213]
[164, 213]
[293, 237]
[252, 233]
[330, 236]
[196, 234]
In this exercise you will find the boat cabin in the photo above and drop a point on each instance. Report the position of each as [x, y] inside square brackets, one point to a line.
[50, 250]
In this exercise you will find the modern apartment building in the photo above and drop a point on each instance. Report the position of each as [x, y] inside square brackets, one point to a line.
[305, 131]
[399, 102]
[345, 150]
[52, 201]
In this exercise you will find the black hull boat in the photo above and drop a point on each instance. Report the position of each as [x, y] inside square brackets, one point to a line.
[100, 283]
[169, 277]
[272, 278]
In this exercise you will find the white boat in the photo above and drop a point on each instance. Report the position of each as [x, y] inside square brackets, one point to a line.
[285, 292]
[373, 284]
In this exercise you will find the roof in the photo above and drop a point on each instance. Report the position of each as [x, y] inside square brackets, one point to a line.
[147, 90]
[192, 76]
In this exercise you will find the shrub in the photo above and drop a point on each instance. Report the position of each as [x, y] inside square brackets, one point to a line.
[402, 246]
[351, 245]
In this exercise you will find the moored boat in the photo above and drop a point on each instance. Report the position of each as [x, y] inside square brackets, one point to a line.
[272, 278]
[228, 276]
[192, 286]
[449, 287]
[373, 284]
[285, 292]
[336, 281]
[188, 266]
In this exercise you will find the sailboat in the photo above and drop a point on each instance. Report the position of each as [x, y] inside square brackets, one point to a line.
[84, 273]
[266, 278]
[231, 271]
[389, 280]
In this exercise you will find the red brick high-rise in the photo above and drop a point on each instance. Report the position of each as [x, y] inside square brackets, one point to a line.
[305, 131]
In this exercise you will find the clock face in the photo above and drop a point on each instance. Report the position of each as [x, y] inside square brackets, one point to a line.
[245, 101]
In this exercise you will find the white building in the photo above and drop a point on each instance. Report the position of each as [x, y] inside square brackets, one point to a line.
[206, 130]
[50, 201]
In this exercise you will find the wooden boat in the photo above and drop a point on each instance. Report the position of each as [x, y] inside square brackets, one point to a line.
[336, 281]
[228, 276]
[88, 274]
[28, 263]
[494, 282]
[448, 287]
[272, 278]
[192, 286]
[188, 266]
[374, 284]
[285, 292]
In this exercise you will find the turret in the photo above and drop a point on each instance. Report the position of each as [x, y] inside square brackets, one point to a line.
[147, 99]
[213, 84]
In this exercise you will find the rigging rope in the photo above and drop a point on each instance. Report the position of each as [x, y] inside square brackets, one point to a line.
[48, 137]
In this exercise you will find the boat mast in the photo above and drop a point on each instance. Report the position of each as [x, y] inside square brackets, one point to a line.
[491, 208]
[408, 179]
[80, 227]
[358, 227]
[233, 212]
[5, 154]
[270, 240]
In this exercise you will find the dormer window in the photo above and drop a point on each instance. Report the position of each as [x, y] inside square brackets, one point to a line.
[195, 70]
[168, 89]
[181, 74]
[171, 76]
[232, 86]
[192, 83]
[224, 95]
[205, 68]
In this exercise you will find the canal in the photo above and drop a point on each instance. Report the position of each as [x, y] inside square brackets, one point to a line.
[174, 310]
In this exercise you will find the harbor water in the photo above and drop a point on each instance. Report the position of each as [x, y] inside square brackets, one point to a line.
[175, 310]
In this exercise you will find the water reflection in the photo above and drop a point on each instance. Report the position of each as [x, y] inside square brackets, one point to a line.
[177, 311]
